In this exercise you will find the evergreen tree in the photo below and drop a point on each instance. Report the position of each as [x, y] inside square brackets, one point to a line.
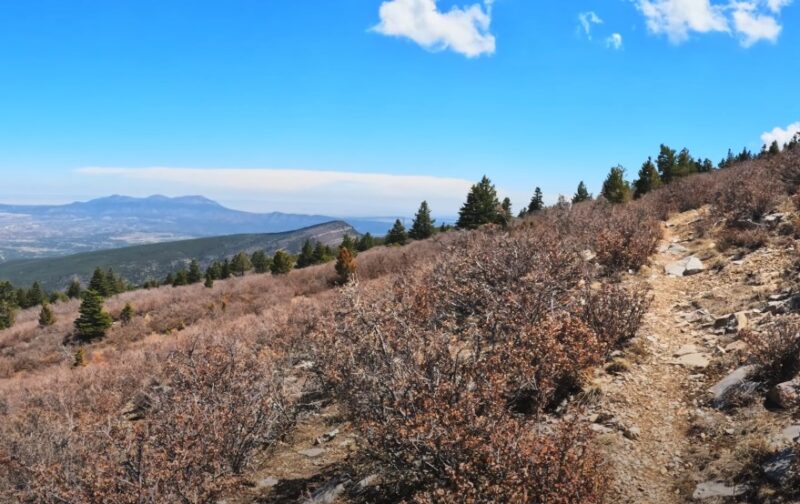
[8, 305]
[481, 206]
[505, 212]
[582, 194]
[260, 261]
[99, 283]
[422, 227]
[35, 296]
[93, 321]
[46, 317]
[181, 279]
[241, 264]
[667, 163]
[707, 166]
[225, 271]
[214, 271]
[684, 164]
[322, 254]
[170, 279]
[194, 276]
[349, 244]
[74, 289]
[365, 243]
[537, 201]
[774, 148]
[345, 265]
[116, 284]
[282, 263]
[127, 314]
[615, 188]
[306, 257]
[209, 283]
[648, 180]
[397, 235]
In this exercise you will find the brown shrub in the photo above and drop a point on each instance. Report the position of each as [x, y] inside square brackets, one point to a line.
[628, 240]
[776, 350]
[114, 436]
[615, 313]
[750, 239]
[745, 194]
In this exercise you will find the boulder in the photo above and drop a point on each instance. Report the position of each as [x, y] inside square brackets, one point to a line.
[786, 395]
[733, 322]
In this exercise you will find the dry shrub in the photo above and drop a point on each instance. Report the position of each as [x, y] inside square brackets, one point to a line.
[115, 437]
[745, 194]
[628, 239]
[776, 350]
[684, 194]
[615, 313]
[750, 239]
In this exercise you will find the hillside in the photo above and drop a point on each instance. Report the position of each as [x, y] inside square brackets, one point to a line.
[641, 352]
[154, 261]
[28, 232]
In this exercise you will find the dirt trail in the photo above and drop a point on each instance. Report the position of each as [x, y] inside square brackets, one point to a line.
[651, 404]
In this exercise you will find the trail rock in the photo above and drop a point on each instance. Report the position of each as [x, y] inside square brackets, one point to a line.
[733, 322]
[267, 482]
[711, 489]
[327, 494]
[694, 360]
[786, 394]
[312, 452]
[686, 350]
[733, 379]
[588, 255]
[791, 433]
[685, 267]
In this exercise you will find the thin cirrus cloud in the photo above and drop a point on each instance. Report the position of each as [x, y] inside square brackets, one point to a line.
[461, 30]
[750, 21]
[781, 135]
[292, 190]
[614, 41]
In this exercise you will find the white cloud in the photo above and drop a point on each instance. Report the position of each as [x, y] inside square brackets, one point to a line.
[614, 41]
[752, 26]
[289, 190]
[677, 18]
[463, 30]
[586, 20]
[751, 21]
[780, 135]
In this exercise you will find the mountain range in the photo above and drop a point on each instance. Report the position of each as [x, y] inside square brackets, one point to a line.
[38, 231]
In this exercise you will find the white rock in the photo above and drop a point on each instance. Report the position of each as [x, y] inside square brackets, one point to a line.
[711, 489]
[734, 378]
[694, 360]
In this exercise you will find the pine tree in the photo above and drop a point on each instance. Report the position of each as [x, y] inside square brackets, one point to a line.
[422, 227]
[666, 163]
[209, 283]
[684, 164]
[505, 212]
[481, 206]
[99, 283]
[169, 280]
[306, 257]
[181, 279]
[35, 296]
[116, 284]
[127, 314]
[345, 265]
[648, 180]
[707, 166]
[774, 148]
[79, 358]
[225, 272]
[260, 261]
[349, 244]
[74, 289]
[322, 254]
[282, 263]
[615, 188]
[397, 235]
[94, 321]
[582, 194]
[194, 276]
[8, 305]
[365, 243]
[214, 271]
[537, 201]
[46, 317]
[241, 264]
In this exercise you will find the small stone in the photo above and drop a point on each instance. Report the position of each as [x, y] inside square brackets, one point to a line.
[312, 452]
[267, 482]
[685, 350]
[731, 380]
[694, 360]
[791, 433]
[786, 394]
[736, 346]
[587, 255]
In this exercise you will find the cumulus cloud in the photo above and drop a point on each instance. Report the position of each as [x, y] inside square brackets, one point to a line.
[462, 30]
[781, 135]
[752, 26]
[751, 21]
[614, 41]
[586, 20]
[290, 190]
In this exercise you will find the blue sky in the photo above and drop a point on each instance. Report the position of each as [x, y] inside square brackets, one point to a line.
[395, 101]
